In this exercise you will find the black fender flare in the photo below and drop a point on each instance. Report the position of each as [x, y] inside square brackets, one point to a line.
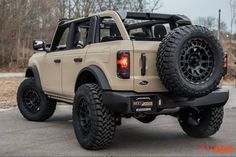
[36, 76]
[98, 74]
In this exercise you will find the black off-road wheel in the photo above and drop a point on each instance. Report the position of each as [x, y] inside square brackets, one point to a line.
[190, 61]
[202, 123]
[94, 124]
[33, 104]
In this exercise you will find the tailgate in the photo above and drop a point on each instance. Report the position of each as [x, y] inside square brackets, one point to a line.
[148, 82]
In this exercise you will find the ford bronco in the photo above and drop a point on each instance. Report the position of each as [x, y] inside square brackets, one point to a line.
[115, 65]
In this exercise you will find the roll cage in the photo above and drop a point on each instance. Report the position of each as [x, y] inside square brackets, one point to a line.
[145, 21]
[176, 20]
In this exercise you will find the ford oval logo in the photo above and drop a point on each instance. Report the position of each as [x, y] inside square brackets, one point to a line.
[143, 83]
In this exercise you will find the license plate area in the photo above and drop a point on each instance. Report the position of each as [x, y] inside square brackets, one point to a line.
[143, 104]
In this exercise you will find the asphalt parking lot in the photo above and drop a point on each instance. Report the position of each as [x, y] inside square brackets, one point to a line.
[162, 137]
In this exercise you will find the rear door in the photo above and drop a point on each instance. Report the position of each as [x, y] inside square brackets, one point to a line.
[74, 58]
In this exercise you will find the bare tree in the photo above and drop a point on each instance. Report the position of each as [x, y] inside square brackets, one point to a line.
[233, 14]
[155, 5]
[21, 21]
[82, 8]
[232, 4]
[62, 6]
[209, 22]
[223, 27]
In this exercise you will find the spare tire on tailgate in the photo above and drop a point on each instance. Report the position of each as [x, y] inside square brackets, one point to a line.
[190, 61]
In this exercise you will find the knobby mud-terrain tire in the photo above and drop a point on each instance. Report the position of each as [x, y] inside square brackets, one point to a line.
[201, 124]
[33, 104]
[94, 124]
[190, 61]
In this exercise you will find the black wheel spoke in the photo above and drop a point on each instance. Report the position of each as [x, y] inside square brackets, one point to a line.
[84, 116]
[31, 100]
[202, 68]
[197, 71]
[196, 61]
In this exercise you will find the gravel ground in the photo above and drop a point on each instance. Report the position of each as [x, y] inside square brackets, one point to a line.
[8, 89]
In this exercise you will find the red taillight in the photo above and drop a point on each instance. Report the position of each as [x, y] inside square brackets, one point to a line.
[123, 62]
[225, 64]
[123, 67]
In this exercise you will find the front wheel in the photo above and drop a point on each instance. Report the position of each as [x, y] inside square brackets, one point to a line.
[94, 124]
[33, 104]
[201, 123]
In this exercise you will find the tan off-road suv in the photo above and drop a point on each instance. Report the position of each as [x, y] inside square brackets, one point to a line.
[115, 65]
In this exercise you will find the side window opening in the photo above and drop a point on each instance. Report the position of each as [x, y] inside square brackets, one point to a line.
[81, 35]
[60, 40]
[71, 36]
[108, 30]
[63, 41]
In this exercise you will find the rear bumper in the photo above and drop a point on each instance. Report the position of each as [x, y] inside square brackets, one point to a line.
[123, 102]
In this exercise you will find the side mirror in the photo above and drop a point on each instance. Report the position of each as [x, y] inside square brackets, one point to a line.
[38, 45]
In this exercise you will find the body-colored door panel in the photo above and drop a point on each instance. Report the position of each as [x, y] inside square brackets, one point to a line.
[72, 64]
[149, 48]
[50, 73]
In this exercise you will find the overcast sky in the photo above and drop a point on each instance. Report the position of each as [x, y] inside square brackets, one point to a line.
[196, 8]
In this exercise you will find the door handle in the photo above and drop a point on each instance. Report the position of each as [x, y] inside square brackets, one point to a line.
[57, 61]
[143, 60]
[76, 60]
